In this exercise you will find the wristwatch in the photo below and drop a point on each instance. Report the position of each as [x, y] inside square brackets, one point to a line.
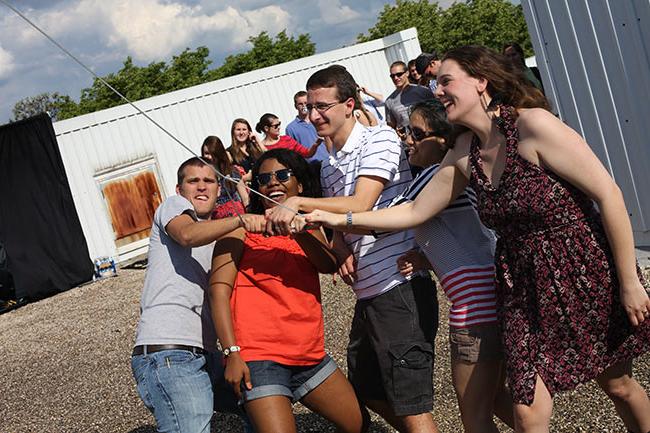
[228, 350]
[348, 219]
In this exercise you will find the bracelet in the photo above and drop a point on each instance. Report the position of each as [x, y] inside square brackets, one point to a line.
[348, 219]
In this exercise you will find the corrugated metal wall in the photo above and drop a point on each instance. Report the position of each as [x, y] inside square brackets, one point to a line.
[595, 63]
[97, 143]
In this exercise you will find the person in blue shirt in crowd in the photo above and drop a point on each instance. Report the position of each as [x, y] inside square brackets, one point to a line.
[301, 129]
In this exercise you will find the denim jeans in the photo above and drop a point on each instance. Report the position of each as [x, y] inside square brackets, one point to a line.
[175, 386]
[182, 390]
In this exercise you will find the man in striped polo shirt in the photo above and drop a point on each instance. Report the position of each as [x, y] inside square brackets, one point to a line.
[390, 355]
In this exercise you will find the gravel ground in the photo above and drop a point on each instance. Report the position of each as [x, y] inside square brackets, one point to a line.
[65, 367]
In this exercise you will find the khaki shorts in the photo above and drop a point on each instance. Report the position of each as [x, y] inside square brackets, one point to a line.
[476, 343]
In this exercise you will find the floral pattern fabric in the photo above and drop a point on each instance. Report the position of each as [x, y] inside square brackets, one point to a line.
[557, 290]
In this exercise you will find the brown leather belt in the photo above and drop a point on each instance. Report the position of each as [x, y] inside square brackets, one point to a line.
[153, 348]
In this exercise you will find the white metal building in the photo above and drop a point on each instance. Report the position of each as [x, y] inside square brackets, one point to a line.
[120, 166]
[594, 57]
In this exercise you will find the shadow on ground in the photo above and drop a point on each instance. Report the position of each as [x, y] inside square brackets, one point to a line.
[305, 423]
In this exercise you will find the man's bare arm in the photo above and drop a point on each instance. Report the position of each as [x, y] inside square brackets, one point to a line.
[190, 233]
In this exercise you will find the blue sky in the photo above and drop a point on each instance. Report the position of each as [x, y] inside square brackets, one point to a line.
[102, 33]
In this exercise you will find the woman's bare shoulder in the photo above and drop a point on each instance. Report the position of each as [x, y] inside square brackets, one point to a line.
[534, 119]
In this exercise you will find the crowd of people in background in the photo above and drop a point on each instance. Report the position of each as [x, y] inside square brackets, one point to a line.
[462, 171]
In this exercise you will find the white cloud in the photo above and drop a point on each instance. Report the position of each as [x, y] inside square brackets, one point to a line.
[151, 29]
[332, 12]
[74, 19]
[7, 64]
[273, 19]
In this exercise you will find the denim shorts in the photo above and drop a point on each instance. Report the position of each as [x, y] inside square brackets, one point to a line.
[390, 355]
[272, 378]
[476, 343]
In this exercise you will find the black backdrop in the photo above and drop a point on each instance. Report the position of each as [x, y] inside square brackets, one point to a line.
[39, 225]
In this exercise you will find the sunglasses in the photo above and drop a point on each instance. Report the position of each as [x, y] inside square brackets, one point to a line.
[275, 125]
[417, 133]
[283, 176]
[397, 74]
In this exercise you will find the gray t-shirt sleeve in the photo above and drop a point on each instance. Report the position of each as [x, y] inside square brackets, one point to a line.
[171, 208]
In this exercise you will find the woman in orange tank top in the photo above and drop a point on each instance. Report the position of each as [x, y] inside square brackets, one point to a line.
[266, 306]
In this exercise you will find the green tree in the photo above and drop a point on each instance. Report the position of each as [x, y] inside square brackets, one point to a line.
[187, 69]
[491, 23]
[485, 22]
[265, 52]
[421, 14]
[52, 103]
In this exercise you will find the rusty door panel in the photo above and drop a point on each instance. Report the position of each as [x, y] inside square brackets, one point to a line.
[132, 202]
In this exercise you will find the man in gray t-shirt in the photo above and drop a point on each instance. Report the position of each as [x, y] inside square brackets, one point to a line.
[405, 95]
[171, 359]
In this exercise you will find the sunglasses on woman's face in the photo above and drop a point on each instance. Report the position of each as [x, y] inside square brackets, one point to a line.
[283, 176]
[275, 125]
[417, 133]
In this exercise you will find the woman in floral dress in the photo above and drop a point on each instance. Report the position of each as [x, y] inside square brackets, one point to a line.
[570, 298]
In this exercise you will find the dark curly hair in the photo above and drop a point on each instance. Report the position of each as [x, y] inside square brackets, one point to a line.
[434, 116]
[292, 161]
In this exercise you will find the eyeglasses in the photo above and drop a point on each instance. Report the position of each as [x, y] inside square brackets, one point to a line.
[397, 74]
[417, 133]
[322, 107]
[283, 176]
[275, 125]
